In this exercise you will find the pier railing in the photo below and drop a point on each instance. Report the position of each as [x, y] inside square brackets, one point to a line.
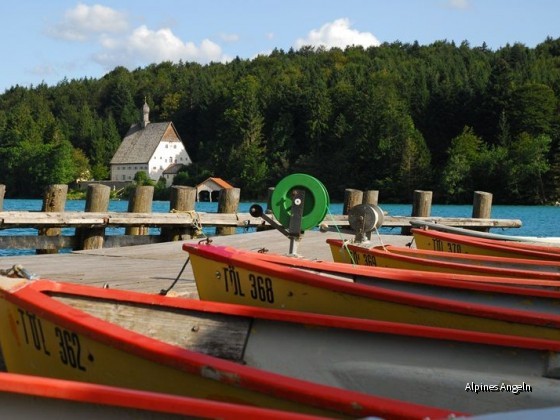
[182, 222]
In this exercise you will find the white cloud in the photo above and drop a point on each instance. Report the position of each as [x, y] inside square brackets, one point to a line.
[44, 70]
[229, 37]
[118, 46]
[82, 22]
[144, 46]
[337, 34]
[458, 4]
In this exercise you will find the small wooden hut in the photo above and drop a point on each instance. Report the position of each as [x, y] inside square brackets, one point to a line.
[209, 190]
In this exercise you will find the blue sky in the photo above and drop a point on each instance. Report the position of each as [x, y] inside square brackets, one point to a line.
[46, 41]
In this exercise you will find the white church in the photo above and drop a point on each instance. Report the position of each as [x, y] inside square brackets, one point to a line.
[154, 148]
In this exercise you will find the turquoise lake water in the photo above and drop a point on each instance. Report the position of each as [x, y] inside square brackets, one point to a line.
[536, 220]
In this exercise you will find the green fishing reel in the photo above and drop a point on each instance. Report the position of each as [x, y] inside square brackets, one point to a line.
[315, 203]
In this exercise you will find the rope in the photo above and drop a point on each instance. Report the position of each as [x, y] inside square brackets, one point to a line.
[344, 241]
[164, 292]
[19, 272]
[197, 224]
[379, 238]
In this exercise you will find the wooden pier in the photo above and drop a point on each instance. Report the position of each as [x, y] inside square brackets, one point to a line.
[151, 268]
[183, 222]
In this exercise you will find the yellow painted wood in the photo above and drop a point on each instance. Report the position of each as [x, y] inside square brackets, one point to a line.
[33, 345]
[233, 284]
[358, 257]
[424, 242]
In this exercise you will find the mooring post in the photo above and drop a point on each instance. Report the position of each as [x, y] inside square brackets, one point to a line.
[2, 192]
[140, 201]
[97, 201]
[182, 199]
[482, 208]
[371, 197]
[228, 203]
[54, 200]
[421, 207]
[270, 191]
[351, 198]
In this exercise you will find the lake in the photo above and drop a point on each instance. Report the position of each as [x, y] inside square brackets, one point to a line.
[536, 220]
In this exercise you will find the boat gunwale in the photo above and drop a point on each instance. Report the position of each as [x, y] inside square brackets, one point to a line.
[540, 278]
[429, 252]
[34, 296]
[537, 240]
[490, 244]
[228, 254]
[118, 397]
[282, 315]
[469, 281]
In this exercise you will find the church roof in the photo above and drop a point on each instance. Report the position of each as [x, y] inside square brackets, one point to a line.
[140, 142]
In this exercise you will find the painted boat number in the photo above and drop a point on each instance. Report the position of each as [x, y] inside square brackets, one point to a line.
[70, 350]
[451, 247]
[261, 287]
[368, 259]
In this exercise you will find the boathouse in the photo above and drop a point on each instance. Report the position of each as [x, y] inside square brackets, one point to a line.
[154, 148]
[209, 190]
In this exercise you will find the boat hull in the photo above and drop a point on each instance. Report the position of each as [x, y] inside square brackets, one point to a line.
[445, 262]
[148, 342]
[59, 352]
[227, 275]
[384, 364]
[544, 241]
[24, 397]
[449, 242]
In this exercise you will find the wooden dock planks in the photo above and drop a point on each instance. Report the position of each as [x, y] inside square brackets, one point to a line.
[150, 268]
[11, 219]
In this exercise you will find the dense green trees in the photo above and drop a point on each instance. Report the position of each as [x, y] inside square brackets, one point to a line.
[398, 117]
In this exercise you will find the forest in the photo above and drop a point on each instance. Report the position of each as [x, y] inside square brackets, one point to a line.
[399, 117]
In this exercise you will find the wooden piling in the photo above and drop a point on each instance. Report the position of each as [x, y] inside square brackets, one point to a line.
[97, 200]
[182, 199]
[54, 200]
[228, 203]
[351, 198]
[140, 202]
[482, 207]
[2, 193]
[421, 207]
[371, 197]
[270, 191]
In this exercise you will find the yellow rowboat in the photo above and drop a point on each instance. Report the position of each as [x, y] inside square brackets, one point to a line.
[450, 242]
[446, 262]
[229, 275]
[534, 240]
[24, 397]
[227, 353]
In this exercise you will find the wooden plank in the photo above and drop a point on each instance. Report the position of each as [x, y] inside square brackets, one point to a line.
[213, 334]
[151, 268]
[57, 242]
[193, 219]
[399, 221]
[114, 219]
[36, 242]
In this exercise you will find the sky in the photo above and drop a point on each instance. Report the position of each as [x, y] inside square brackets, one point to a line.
[49, 41]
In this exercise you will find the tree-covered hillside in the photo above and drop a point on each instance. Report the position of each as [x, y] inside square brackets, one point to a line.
[398, 117]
